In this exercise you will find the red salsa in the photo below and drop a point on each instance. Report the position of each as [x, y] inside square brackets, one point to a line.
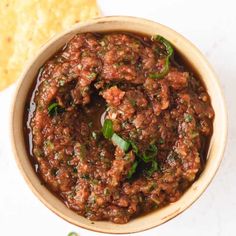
[117, 126]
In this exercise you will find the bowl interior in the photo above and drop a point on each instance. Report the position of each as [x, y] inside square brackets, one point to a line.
[197, 62]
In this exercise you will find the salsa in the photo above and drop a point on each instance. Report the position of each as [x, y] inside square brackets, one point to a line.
[117, 126]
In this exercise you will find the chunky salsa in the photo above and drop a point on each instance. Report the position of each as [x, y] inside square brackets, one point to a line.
[117, 125]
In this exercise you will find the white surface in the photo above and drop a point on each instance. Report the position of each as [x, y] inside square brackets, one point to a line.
[211, 26]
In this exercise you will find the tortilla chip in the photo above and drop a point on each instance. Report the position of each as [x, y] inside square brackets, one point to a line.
[27, 24]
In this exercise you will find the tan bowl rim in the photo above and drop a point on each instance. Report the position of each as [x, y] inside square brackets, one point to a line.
[104, 20]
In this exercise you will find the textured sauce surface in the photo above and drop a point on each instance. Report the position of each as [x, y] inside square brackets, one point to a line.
[116, 76]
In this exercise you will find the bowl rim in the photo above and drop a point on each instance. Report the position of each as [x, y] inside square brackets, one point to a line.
[101, 20]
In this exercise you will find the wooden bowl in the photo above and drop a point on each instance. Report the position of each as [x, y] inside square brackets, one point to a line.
[197, 61]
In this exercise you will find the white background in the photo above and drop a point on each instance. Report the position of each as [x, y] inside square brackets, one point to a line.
[211, 26]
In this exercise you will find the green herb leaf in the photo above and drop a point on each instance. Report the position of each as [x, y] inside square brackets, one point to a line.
[72, 234]
[188, 118]
[153, 168]
[132, 102]
[167, 44]
[153, 149]
[94, 181]
[107, 129]
[120, 142]
[80, 151]
[150, 153]
[170, 51]
[134, 147]
[132, 169]
[161, 141]
[85, 176]
[194, 134]
[153, 186]
[106, 191]
[92, 75]
[53, 108]
[49, 144]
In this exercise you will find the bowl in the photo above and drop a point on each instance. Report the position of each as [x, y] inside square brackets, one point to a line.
[190, 54]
